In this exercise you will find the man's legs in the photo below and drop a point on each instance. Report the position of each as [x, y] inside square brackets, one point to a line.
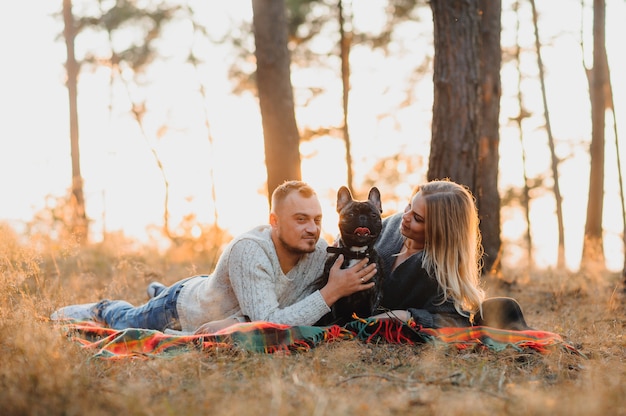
[154, 289]
[158, 313]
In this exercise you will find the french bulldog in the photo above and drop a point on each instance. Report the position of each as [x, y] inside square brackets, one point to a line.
[359, 227]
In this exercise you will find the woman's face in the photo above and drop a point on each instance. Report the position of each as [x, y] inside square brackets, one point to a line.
[413, 221]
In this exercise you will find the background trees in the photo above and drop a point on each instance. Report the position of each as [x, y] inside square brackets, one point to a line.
[380, 52]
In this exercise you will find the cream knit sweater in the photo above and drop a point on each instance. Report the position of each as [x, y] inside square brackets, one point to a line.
[248, 281]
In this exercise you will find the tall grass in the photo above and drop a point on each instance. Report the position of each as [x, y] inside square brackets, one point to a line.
[45, 373]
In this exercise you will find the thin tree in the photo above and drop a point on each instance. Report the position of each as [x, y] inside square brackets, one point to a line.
[621, 192]
[280, 131]
[79, 226]
[593, 250]
[619, 168]
[519, 119]
[620, 180]
[554, 159]
[345, 34]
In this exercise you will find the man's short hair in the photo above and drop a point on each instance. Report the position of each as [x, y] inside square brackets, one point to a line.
[286, 188]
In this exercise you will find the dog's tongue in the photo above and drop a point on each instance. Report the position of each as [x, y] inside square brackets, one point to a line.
[362, 231]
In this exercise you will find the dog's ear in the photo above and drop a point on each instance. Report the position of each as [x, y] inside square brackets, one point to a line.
[374, 198]
[344, 197]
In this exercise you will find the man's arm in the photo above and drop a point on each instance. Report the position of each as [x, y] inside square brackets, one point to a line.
[256, 279]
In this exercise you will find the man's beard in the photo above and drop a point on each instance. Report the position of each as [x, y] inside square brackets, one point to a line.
[295, 250]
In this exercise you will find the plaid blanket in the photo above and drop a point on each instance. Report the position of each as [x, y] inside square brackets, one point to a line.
[266, 337]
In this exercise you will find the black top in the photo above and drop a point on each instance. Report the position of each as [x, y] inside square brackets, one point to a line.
[409, 286]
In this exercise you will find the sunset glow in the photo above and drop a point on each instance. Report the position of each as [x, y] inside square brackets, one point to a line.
[124, 188]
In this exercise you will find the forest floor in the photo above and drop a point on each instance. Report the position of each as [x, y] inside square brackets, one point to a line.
[44, 373]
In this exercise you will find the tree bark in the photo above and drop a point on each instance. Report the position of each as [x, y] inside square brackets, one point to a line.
[456, 105]
[488, 196]
[593, 251]
[273, 76]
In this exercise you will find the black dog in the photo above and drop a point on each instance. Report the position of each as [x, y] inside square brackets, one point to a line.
[359, 227]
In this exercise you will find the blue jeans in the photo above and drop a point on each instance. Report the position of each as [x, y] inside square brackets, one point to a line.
[158, 313]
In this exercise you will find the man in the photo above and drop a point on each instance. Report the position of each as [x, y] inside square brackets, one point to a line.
[262, 275]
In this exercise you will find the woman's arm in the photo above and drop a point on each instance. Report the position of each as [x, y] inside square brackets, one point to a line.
[402, 315]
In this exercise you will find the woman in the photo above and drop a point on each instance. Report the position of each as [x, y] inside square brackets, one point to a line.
[431, 257]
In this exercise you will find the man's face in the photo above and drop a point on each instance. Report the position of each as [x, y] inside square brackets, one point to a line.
[297, 223]
[413, 220]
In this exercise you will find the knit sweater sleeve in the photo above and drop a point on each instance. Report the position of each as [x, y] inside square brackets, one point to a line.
[264, 292]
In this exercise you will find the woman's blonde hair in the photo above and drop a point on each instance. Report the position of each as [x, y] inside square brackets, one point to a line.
[452, 248]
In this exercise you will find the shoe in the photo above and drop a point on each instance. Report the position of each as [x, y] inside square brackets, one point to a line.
[83, 312]
[154, 289]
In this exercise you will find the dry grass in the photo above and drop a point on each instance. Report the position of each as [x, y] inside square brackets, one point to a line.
[43, 373]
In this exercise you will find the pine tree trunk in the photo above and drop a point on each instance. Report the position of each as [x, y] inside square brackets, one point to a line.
[273, 76]
[456, 105]
[593, 251]
[488, 197]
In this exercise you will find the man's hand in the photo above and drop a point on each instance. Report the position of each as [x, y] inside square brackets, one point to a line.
[344, 282]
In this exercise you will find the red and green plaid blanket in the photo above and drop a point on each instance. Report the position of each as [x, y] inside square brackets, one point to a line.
[266, 337]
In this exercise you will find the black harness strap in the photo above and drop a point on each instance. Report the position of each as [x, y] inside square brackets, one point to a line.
[350, 254]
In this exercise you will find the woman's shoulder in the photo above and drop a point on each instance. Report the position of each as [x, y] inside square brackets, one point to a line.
[393, 219]
[390, 239]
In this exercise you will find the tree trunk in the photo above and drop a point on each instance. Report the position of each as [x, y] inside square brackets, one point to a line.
[593, 251]
[618, 161]
[619, 175]
[79, 224]
[555, 162]
[523, 113]
[346, 40]
[273, 76]
[488, 196]
[456, 105]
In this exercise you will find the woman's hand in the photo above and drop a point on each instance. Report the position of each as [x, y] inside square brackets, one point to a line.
[402, 315]
[214, 326]
[344, 282]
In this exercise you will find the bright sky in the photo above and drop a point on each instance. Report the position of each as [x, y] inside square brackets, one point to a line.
[124, 188]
